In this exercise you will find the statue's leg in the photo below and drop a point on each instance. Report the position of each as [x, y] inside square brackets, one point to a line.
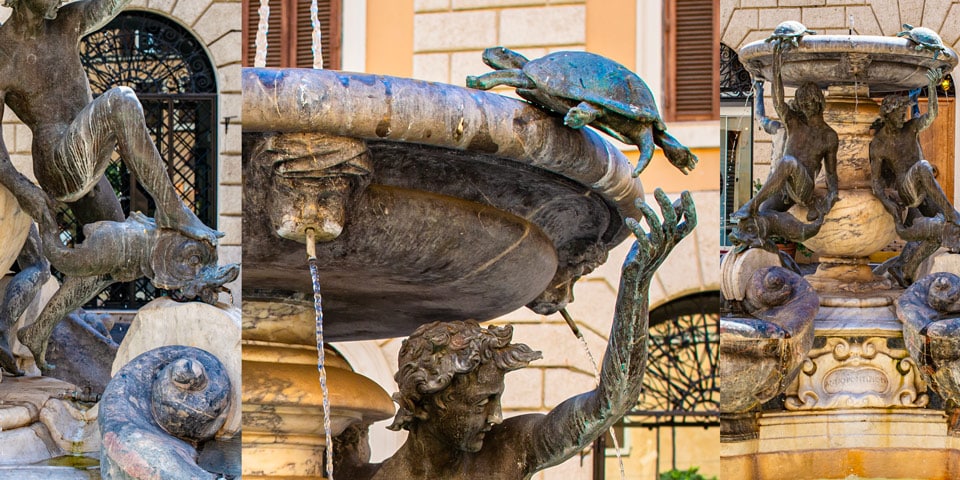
[100, 204]
[116, 119]
[919, 184]
[22, 289]
[74, 292]
[511, 78]
[788, 171]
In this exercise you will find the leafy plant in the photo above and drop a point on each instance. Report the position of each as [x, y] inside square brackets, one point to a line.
[690, 474]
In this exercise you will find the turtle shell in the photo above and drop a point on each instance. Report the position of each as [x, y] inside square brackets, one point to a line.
[583, 76]
[790, 28]
[925, 36]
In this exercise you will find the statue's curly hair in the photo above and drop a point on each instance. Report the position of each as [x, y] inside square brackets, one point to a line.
[436, 352]
[811, 90]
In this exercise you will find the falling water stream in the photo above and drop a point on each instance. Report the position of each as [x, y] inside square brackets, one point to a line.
[596, 373]
[321, 361]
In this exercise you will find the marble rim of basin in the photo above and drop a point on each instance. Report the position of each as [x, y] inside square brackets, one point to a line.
[380, 107]
[886, 64]
[471, 204]
[931, 335]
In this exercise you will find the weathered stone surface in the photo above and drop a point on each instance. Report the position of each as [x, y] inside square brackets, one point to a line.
[73, 429]
[940, 261]
[737, 268]
[283, 432]
[762, 351]
[856, 226]
[83, 351]
[14, 225]
[135, 442]
[214, 329]
[894, 63]
[27, 445]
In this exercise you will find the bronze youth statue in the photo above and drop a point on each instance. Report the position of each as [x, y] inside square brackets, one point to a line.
[44, 83]
[451, 380]
[905, 184]
[810, 145]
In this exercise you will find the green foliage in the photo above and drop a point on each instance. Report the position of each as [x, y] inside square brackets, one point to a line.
[690, 474]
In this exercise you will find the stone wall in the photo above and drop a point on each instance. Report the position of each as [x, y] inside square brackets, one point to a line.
[744, 21]
[450, 35]
[216, 24]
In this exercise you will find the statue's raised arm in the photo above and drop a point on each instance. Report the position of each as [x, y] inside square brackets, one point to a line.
[925, 120]
[578, 421]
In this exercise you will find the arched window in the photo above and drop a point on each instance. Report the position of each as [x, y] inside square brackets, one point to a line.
[681, 386]
[174, 79]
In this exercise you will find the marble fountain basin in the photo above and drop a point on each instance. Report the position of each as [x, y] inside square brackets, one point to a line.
[885, 64]
[477, 204]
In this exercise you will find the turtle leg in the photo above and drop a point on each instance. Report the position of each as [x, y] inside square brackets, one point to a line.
[501, 58]
[679, 155]
[645, 142]
[581, 115]
[511, 78]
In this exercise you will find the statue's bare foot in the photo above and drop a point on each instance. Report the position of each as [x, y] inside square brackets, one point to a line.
[37, 346]
[7, 361]
[187, 223]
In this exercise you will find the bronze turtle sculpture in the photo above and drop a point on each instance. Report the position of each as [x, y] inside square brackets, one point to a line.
[925, 39]
[588, 89]
[790, 31]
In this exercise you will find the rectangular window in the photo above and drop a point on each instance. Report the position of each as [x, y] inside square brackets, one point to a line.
[289, 36]
[690, 58]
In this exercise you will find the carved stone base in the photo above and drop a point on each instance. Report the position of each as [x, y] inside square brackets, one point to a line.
[837, 444]
[858, 361]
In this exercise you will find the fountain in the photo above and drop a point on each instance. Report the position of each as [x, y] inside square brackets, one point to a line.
[430, 204]
[861, 393]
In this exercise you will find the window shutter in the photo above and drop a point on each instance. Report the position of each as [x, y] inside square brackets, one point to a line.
[289, 38]
[251, 22]
[692, 64]
[329, 15]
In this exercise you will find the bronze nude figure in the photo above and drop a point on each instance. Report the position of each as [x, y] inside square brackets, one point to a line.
[904, 182]
[811, 144]
[74, 135]
[451, 379]
[44, 83]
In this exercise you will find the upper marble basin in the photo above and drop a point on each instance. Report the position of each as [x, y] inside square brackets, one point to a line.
[476, 204]
[885, 64]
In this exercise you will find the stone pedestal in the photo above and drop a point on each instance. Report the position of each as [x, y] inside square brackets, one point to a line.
[857, 362]
[283, 423]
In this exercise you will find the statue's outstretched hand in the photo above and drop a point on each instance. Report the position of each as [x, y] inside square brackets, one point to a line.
[651, 249]
[935, 75]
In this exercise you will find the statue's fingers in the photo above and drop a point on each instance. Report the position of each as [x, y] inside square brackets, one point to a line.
[656, 233]
[689, 214]
[669, 214]
[635, 227]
